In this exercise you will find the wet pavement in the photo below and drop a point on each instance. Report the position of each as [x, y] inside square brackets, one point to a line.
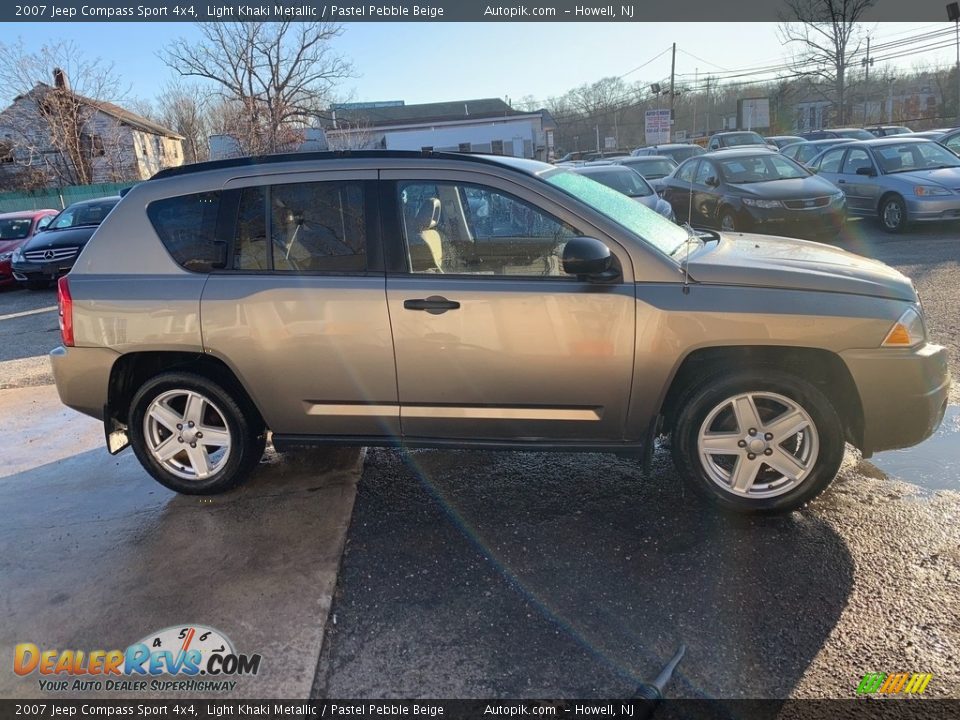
[472, 574]
[95, 555]
[932, 465]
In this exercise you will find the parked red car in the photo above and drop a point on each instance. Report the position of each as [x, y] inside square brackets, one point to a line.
[15, 229]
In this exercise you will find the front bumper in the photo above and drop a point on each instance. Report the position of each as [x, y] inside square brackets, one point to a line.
[82, 376]
[24, 271]
[816, 222]
[933, 208]
[6, 272]
[903, 394]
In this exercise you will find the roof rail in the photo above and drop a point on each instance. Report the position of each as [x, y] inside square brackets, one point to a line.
[256, 160]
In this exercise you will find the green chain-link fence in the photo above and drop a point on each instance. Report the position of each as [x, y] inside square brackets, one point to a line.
[57, 198]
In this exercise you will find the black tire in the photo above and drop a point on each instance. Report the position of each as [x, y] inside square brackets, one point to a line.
[247, 433]
[728, 218]
[700, 400]
[893, 214]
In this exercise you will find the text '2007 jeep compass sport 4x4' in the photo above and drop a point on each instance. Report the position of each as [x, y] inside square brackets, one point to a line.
[441, 300]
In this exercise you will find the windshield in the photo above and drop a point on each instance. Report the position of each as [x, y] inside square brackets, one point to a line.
[908, 156]
[628, 214]
[79, 215]
[622, 180]
[760, 168]
[15, 229]
[744, 138]
[652, 168]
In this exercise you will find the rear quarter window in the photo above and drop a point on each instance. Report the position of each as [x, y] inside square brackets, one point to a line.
[187, 228]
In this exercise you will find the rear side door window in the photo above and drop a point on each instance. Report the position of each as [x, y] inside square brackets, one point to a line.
[313, 227]
[187, 227]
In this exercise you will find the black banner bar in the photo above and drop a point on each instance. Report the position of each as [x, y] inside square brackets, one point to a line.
[913, 708]
[439, 11]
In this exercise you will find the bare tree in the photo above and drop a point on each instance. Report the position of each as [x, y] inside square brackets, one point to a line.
[828, 33]
[274, 75]
[186, 110]
[55, 128]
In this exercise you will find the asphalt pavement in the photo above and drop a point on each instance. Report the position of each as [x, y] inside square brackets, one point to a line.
[473, 574]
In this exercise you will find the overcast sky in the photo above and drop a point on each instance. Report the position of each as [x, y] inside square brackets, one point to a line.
[426, 62]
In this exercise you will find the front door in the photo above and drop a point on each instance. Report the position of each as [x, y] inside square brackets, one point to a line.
[862, 191]
[493, 340]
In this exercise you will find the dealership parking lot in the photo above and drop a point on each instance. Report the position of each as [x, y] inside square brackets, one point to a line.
[472, 574]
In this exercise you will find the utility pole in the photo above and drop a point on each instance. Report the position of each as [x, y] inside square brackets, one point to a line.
[953, 13]
[673, 66]
[866, 62]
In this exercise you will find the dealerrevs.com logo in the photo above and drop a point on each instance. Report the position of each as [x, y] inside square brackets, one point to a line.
[200, 657]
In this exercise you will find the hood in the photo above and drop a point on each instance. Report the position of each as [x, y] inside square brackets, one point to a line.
[948, 177]
[10, 245]
[765, 261]
[68, 237]
[792, 189]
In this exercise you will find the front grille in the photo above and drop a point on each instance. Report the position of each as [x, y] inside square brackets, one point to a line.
[51, 254]
[810, 204]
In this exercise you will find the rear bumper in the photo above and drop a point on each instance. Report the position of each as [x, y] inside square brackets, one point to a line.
[83, 377]
[903, 394]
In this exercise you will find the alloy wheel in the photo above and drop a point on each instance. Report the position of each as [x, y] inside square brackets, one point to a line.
[187, 434]
[758, 445]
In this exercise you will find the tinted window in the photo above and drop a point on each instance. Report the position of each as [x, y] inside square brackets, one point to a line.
[651, 169]
[760, 168]
[476, 230]
[622, 180]
[953, 143]
[313, 227]
[914, 156]
[682, 153]
[16, 229]
[186, 226]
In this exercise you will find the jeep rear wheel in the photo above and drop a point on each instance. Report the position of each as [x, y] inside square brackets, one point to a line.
[192, 435]
[762, 441]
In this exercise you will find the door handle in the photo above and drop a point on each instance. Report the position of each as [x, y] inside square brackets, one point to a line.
[841, 182]
[435, 304]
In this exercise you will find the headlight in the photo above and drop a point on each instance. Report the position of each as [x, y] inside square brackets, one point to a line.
[907, 331]
[928, 190]
[18, 255]
[836, 197]
[752, 202]
[5, 256]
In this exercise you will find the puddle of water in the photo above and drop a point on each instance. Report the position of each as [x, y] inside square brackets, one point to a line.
[934, 464]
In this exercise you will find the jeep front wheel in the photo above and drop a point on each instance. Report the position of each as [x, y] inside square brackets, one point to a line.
[758, 442]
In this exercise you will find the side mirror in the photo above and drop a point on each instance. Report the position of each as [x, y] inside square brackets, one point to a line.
[712, 181]
[588, 259]
[868, 171]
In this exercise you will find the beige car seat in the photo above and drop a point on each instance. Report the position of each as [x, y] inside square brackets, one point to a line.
[426, 245]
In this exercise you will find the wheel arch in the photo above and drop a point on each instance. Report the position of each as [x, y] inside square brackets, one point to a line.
[131, 370]
[824, 369]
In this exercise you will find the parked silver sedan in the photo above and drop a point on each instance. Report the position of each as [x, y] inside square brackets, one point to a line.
[630, 183]
[899, 179]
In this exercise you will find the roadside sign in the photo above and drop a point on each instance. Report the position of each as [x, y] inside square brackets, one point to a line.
[609, 143]
[657, 126]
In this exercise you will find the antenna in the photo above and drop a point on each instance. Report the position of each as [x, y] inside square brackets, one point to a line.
[686, 252]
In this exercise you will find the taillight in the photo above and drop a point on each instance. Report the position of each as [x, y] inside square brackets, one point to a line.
[65, 303]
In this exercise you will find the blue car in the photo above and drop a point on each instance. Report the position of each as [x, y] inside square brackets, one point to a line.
[898, 179]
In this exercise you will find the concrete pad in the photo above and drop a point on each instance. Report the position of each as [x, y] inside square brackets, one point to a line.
[95, 555]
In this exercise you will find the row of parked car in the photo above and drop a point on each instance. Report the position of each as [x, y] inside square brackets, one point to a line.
[38, 246]
[793, 185]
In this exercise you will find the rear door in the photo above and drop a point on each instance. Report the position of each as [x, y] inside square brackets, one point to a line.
[300, 314]
[493, 340]
[678, 189]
